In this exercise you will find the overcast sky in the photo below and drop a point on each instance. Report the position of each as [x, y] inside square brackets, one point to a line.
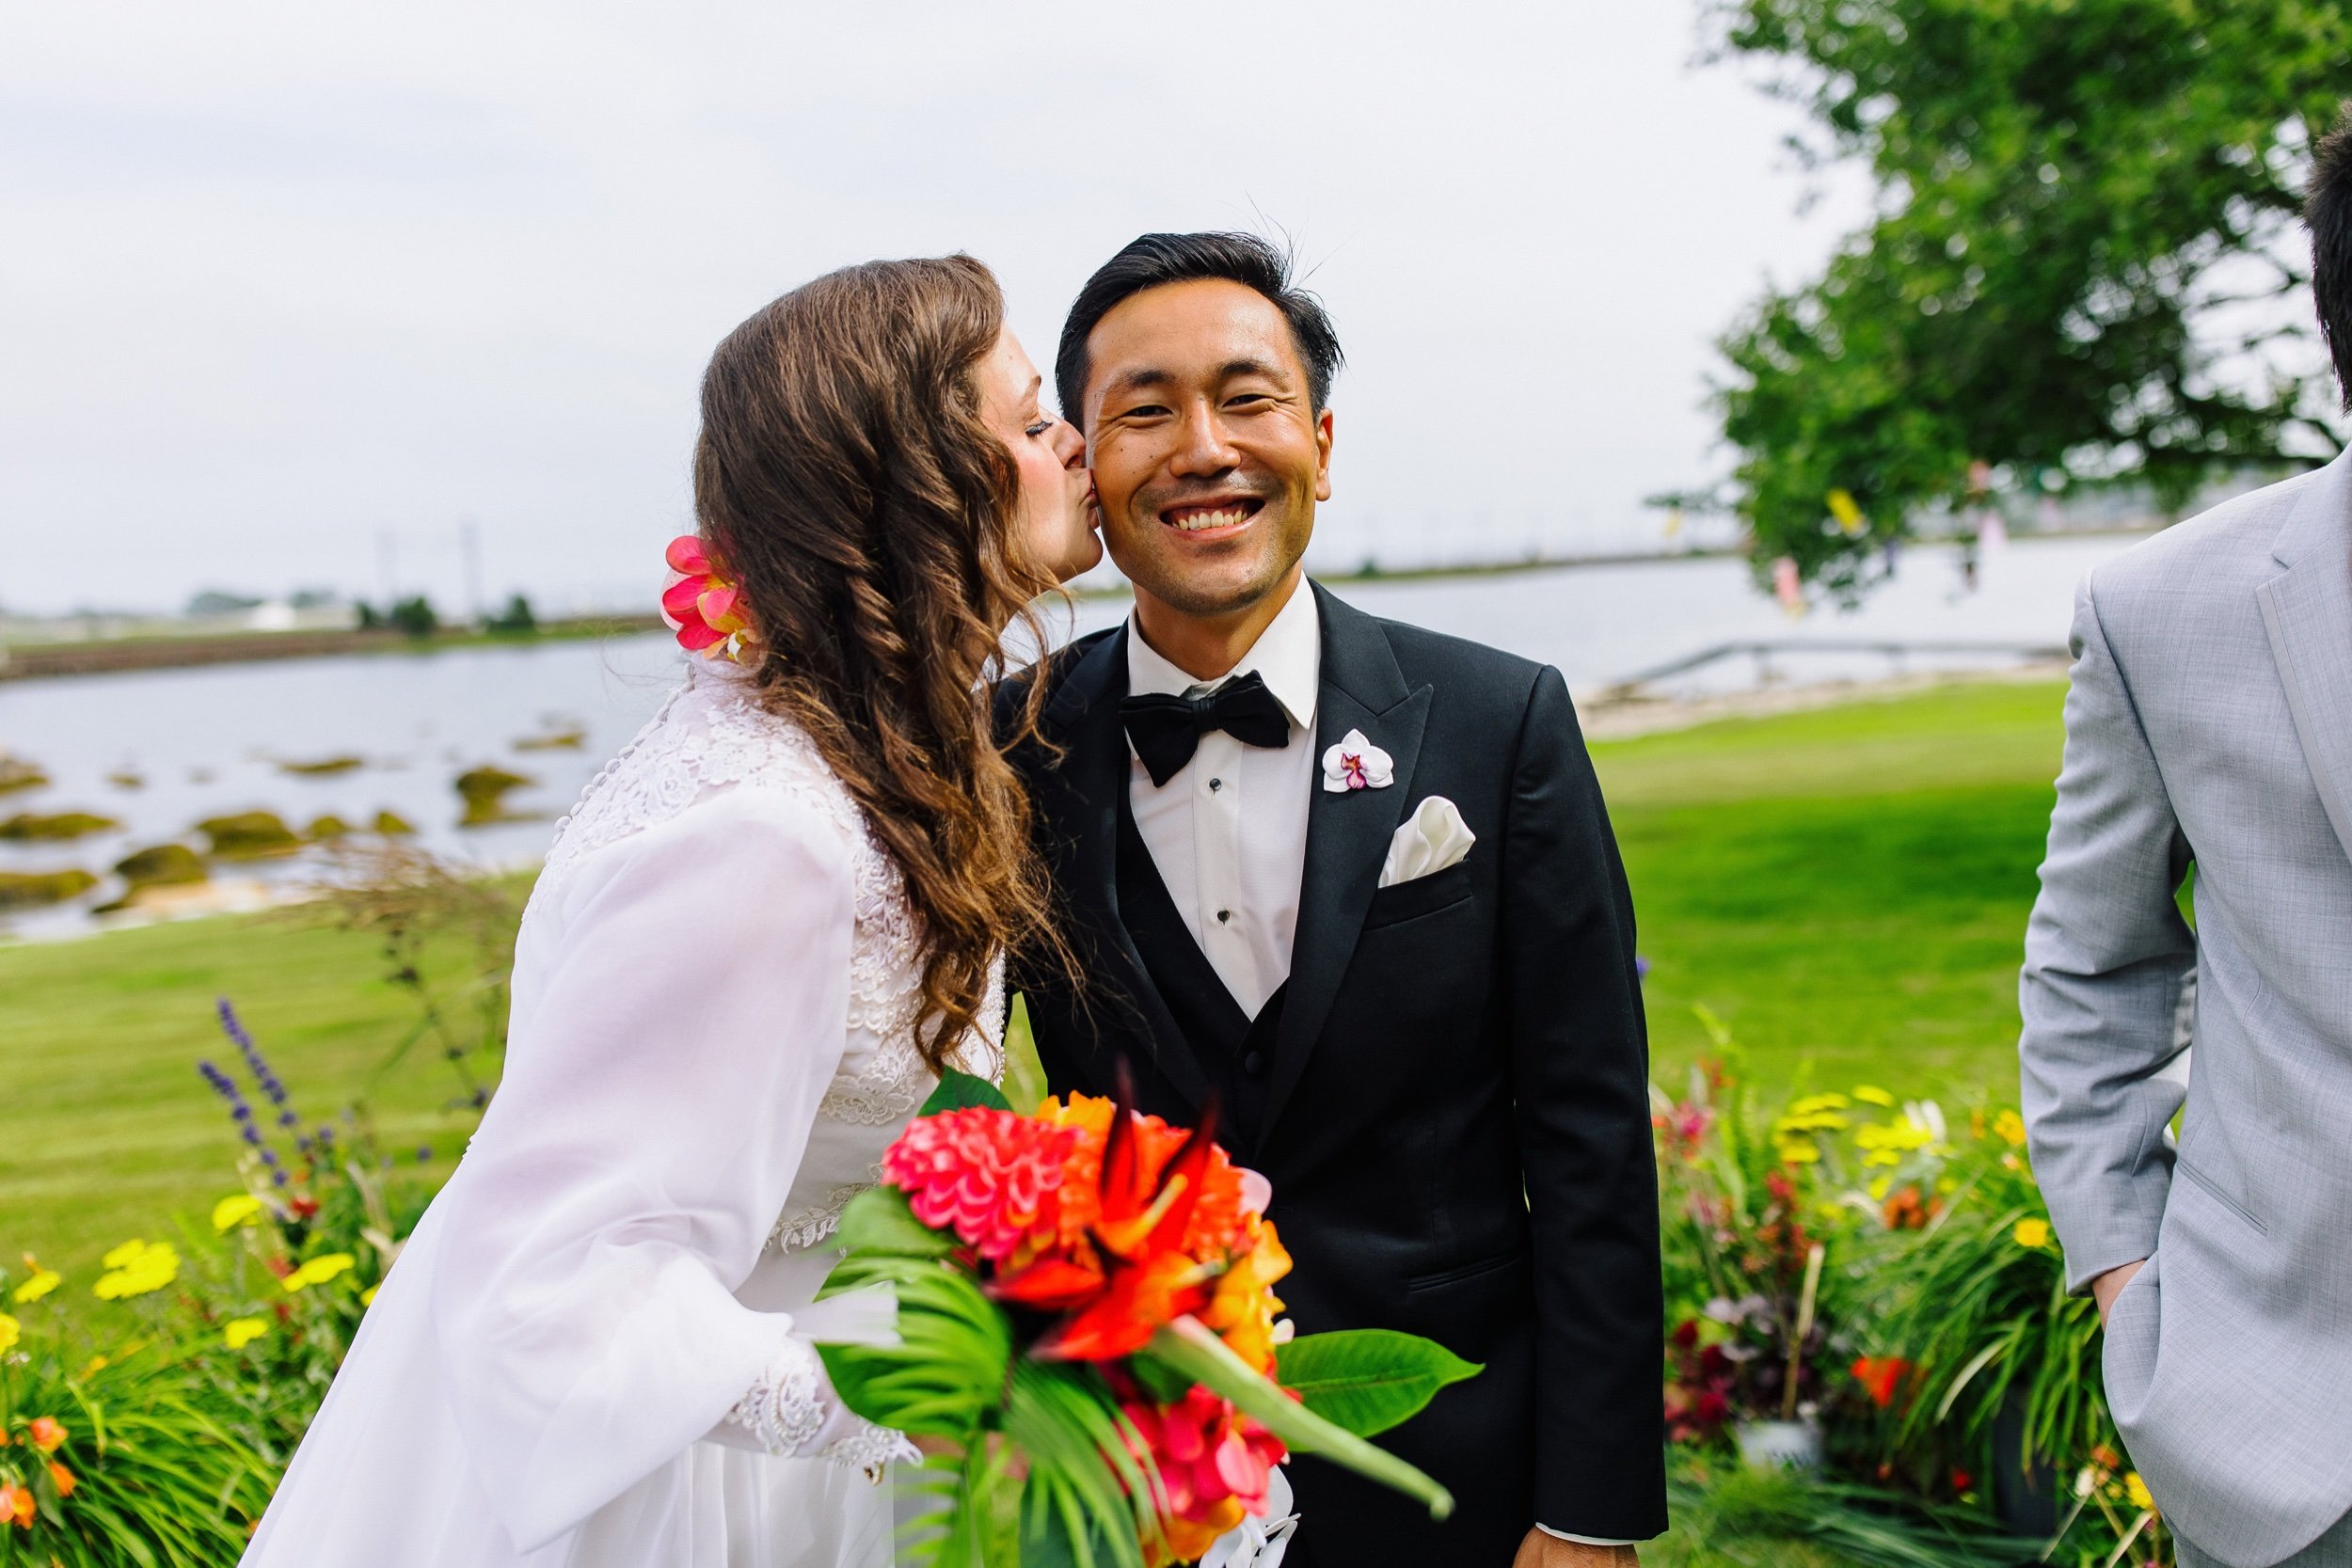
[284, 281]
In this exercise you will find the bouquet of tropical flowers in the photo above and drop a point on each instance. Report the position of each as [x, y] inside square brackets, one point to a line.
[1086, 1318]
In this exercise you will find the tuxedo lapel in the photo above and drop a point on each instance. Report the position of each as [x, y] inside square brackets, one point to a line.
[1348, 830]
[1081, 819]
[2308, 614]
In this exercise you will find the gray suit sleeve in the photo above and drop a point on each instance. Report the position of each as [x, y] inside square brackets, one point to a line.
[2109, 975]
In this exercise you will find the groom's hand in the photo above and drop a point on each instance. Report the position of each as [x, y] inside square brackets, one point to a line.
[2109, 1285]
[1543, 1549]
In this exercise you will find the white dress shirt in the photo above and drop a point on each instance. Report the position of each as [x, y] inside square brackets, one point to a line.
[1229, 831]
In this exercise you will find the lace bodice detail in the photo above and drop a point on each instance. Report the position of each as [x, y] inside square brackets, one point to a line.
[713, 733]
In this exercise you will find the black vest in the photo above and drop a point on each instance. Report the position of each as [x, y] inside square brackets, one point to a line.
[1236, 1049]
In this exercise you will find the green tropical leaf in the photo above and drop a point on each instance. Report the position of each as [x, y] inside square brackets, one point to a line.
[879, 1223]
[959, 1091]
[1164, 1383]
[1367, 1380]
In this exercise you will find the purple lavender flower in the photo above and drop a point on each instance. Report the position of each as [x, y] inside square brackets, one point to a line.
[239, 1111]
[424, 1154]
[271, 1084]
[1641, 966]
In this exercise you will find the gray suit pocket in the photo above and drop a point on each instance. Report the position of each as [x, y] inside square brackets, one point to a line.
[2127, 1361]
[2214, 1190]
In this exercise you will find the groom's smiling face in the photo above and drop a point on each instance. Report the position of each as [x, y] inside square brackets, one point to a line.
[1207, 451]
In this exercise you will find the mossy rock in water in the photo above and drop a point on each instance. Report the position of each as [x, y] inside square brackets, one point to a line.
[323, 767]
[161, 866]
[16, 773]
[392, 825]
[248, 834]
[484, 791]
[325, 828]
[26, 890]
[27, 828]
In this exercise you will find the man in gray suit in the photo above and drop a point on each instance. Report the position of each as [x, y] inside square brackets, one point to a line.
[2210, 723]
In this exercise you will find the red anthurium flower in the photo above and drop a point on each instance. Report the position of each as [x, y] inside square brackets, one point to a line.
[700, 604]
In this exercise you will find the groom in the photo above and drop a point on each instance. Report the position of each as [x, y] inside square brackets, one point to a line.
[1353, 880]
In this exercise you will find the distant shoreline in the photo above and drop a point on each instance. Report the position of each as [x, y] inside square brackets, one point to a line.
[165, 651]
[115, 655]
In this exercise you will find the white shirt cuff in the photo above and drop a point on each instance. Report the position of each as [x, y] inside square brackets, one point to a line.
[1585, 1540]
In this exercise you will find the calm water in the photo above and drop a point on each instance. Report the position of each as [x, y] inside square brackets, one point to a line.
[209, 741]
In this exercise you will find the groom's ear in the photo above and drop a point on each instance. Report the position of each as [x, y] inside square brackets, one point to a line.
[1323, 455]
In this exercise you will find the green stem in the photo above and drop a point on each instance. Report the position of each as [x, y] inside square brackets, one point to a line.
[1199, 1355]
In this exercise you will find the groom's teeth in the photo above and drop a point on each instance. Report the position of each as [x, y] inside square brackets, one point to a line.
[1201, 520]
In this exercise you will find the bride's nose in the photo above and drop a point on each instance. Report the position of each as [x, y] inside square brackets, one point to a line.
[1068, 445]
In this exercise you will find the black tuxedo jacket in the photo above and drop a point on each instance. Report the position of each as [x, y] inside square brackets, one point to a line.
[1453, 1110]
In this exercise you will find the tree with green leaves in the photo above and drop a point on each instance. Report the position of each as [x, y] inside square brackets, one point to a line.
[2083, 267]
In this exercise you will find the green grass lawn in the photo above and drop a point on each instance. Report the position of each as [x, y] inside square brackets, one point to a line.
[1847, 888]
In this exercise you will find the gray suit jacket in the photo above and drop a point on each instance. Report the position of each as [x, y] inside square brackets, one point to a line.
[2209, 722]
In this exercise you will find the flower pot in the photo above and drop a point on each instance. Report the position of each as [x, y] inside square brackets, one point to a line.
[2024, 1496]
[1779, 1444]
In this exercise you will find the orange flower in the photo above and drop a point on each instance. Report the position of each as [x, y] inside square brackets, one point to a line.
[700, 604]
[63, 1478]
[1242, 1311]
[1879, 1376]
[17, 1506]
[48, 1433]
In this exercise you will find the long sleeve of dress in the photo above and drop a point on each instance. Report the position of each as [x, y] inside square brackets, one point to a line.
[658, 1099]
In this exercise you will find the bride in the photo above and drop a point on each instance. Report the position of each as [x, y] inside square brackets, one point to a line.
[766, 926]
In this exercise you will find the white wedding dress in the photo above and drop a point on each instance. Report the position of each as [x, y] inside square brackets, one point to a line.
[593, 1352]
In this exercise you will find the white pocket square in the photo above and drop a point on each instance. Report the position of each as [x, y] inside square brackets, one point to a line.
[1433, 838]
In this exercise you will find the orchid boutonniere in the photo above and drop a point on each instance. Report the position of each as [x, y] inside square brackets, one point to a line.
[1356, 763]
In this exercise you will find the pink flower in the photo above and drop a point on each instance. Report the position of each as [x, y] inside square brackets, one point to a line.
[700, 604]
[1207, 1453]
[992, 1178]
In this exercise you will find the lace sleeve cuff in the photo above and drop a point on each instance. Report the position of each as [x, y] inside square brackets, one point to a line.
[792, 1414]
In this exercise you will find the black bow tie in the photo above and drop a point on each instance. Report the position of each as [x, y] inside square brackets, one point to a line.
[1166, 730]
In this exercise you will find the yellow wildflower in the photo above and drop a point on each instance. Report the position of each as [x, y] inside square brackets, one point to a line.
[1881, 1157]
[318, 1271]
[2010, 1127]
[90, 1369]
[10, 1331]
[1880, 1187]
[1870, 1094]
[1813, 1104]
[1848, 514]
[2138, 1491]
[1795, 1151]
[241, 1332]
[1812, 1121]
[367, 1297]
[43, 1282]
[2032, 1233]
[136, 1268]
[236, 1210]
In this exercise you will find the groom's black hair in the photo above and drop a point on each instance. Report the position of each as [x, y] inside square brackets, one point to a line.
[1155, 258]
[2328, 208]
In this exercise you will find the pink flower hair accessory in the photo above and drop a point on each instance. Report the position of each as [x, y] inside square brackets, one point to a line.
[701, 605]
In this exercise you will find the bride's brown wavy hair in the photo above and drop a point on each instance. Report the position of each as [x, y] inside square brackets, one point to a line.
[846, 479]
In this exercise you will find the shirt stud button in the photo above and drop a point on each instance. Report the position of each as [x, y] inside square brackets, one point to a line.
[1216, 785]
[1224, 915]
[1254, 1063]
